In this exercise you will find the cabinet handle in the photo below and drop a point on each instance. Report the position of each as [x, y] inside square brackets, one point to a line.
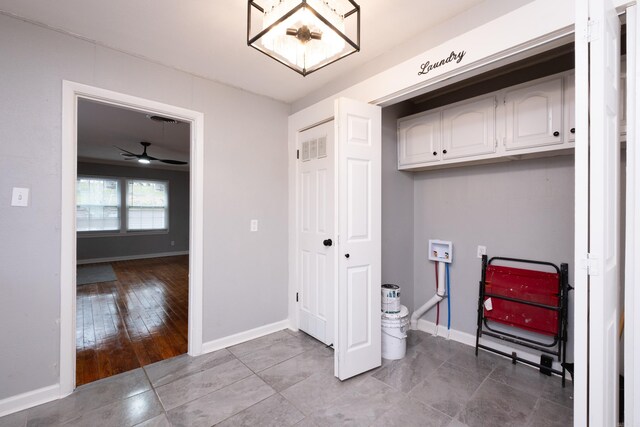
[435, 153]
[444, 151]
[573, 130]
[556, 133]
[346, 255]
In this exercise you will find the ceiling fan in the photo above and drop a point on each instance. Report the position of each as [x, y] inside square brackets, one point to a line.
[144, 158]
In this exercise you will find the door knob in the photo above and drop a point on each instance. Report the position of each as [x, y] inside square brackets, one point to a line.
[435, 153]
[556, 133]
[573, 130]
[444, 151]
[346, 255]
[327, 242]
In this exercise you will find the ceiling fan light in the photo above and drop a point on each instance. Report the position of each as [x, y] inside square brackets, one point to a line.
[304, 35]
[144, 161]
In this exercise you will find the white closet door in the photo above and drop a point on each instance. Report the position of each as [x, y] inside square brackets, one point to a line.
[316, 256]
[602, 259]
[632, 252]
[358, 146]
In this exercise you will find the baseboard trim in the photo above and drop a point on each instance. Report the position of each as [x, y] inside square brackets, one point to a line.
[130, 257]
[29, 399]
[241, 337]
[470, 340]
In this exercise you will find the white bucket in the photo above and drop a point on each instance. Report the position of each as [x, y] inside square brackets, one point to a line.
[394, 334]
[390, 298]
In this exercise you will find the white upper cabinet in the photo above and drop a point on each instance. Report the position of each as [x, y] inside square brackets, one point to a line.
[419, 140]
[468, 128]
[527, 119]
[534, 115]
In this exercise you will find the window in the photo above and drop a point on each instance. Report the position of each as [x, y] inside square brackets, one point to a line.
[108, 206]
[98, 204]
[147, 205]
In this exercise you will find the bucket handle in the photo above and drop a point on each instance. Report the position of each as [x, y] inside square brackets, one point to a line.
[393, 336]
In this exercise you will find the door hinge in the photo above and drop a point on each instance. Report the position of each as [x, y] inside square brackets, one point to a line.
[590, 263]
[297, 154]
[592, 30]
[297, 297]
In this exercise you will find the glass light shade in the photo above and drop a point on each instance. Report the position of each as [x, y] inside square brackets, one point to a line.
[304, 35]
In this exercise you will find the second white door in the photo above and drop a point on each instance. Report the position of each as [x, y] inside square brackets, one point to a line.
[317, 234]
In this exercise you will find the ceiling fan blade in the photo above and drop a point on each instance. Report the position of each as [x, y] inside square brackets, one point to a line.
[172, 162]
[129, 152]
[128, 155]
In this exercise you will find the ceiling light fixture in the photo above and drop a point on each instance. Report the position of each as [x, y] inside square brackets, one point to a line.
[304, 35]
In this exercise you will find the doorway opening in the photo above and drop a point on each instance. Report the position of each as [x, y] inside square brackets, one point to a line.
[131, 265]
[132, 239]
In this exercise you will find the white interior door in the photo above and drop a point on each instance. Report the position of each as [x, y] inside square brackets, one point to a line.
[316, 236]
[632, 251]
[599, 134]
[358, 154]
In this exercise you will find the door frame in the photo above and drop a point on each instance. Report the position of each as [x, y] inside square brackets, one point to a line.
[632, 252]
[71, 92]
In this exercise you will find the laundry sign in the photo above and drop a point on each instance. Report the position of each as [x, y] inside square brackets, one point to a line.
[453, 56]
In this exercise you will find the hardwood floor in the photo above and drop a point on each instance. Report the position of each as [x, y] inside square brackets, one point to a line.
[139, 319]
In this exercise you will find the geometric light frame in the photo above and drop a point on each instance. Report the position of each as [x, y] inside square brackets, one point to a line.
[350, 46]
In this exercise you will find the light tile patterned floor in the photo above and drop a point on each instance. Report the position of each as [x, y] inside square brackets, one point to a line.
[286, 379]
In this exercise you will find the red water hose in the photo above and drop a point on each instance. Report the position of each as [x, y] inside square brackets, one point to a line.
[437, 305]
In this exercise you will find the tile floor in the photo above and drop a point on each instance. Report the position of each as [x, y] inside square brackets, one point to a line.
[286, 379]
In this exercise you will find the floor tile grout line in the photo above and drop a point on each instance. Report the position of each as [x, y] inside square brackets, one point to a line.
[190, 373]
[529, 418]
[473, 395]
[164, 410]
[167, 410]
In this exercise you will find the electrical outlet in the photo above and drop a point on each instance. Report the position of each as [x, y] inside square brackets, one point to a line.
[173, 243]
[482, 250]
[254, 225]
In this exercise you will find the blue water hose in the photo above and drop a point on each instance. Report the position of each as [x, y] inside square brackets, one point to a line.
[448, 298]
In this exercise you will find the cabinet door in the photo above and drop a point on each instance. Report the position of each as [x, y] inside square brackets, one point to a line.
[419, 140]
[570, 107]
[534, 115]
[468, 129]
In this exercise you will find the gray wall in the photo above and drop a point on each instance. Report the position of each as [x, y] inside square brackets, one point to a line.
[132, 244]
[520, 209]
[245, 177]
[397, 211]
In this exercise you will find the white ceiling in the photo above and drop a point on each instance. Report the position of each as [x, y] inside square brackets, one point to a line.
[102, 126]
[208, 37]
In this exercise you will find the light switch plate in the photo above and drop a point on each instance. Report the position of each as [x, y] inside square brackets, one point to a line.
[254, 225]
[20, 197]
